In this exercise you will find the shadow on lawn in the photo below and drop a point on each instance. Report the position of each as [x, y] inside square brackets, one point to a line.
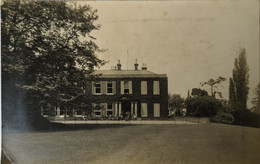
[58, 127]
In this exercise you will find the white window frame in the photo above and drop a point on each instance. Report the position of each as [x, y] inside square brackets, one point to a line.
[78, 115]
[144, 110]
[109, 109]
[109, 82]
[129, 87]
[156, 109]
[96, 88]
[94, 109]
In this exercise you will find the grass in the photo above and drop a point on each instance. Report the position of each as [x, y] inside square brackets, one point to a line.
[207, 143]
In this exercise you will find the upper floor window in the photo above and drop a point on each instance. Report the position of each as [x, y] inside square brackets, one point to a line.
[97, 88]
[109, 87]
[144, 87]
[104, 88]
[156, 87]
[126, 87]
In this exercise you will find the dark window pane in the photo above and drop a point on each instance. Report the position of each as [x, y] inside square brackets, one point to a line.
[126, 91]
[109, 90]
[98, 90]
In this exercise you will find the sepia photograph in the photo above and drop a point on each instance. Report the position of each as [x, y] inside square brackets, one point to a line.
[130, 82]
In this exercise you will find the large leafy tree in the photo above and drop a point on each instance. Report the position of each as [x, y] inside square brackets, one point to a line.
[238, 84]
[48, 45]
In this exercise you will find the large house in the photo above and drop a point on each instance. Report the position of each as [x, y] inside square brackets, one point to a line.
[137, 92]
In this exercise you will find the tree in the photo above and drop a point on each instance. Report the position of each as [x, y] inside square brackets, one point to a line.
[175, 102]
[48, 46]
[238, 85]
[203, 106]
[256, 100]
[198, 92]
[213, 85]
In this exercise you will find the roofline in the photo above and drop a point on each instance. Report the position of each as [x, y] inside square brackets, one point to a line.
[134, 76]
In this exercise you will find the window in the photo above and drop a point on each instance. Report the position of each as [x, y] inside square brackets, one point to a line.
[126, 87]
[143, 109]
[79, 112]
[156, 87]
[156, 110]
[97, 109]
[97, 88]
[144, 87]
[109, 88]
[109, 109]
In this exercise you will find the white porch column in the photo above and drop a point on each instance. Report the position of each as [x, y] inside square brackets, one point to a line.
[116, 104]
[136, 109]
[132, 109]
[58, 111]
[119, 109]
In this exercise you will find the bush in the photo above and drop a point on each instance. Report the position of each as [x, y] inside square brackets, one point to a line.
[247, 118]
[205, 106]
[221, 117]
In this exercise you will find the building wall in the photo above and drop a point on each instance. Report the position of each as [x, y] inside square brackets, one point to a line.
[136, 96]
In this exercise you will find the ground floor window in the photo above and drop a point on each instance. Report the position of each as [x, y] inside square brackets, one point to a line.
[156, 110]
[79, 112]
[144, 110]
[109, 109]
[97, 109]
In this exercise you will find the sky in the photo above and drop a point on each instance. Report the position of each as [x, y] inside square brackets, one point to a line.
[190, 41]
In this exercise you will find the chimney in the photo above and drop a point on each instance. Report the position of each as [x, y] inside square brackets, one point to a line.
[144, 67]
[119, 66]
[136, 65]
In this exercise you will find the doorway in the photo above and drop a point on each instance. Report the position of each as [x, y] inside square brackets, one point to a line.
[126, 107]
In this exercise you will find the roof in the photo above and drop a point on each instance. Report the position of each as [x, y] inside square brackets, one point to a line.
[127, 74]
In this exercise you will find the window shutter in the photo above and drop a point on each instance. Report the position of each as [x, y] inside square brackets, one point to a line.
[144, 109]
[130, 87]
[122, 87]
[103, 109]
[93, 87]
[103, 87]
[144, 87]
[156, 88]
[156, 110]
[114, 87]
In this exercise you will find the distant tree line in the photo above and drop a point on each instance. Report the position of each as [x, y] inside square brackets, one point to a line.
[233, 111]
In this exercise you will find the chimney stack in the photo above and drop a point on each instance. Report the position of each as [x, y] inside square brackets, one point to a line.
[119, 66]
[144, 67]
[136, 65]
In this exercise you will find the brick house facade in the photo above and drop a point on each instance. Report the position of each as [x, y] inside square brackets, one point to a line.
[138, 92]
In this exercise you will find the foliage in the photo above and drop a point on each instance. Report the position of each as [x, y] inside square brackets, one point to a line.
[213, 85]
[49, 44]
[175, 102]
[221, 117]
[246, 118]
[238, 85]
[198, 92]
[203, 106]
[256, 100]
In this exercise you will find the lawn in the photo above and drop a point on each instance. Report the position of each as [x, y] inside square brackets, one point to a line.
[202, 143]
